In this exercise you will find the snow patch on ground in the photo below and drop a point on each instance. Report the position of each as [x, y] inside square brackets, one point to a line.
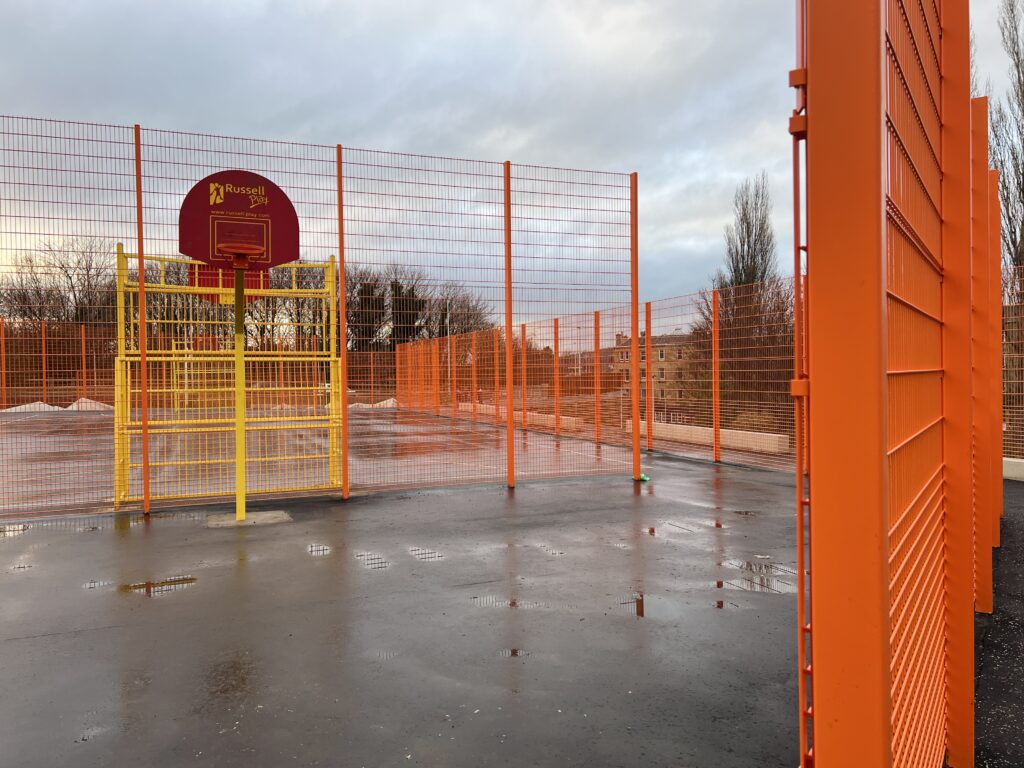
[38, 405]
[389, 403]
[85, 404]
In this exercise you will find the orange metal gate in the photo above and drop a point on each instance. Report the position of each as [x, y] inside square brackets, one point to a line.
[895, 375]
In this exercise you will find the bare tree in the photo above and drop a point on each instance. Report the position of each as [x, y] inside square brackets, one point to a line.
[750, 255]
[72, 280]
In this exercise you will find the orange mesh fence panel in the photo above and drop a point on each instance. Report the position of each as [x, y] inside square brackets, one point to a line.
[66, 196]
[1013, 363]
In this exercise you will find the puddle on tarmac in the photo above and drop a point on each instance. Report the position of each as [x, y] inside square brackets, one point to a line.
[318, 550]
[384, 654]
[21, 566]
[157, 588]
[100, 585]
[513, 653]
[231, 679]
[10, 531]
[744, 512]
[372, 560]
[425, 555]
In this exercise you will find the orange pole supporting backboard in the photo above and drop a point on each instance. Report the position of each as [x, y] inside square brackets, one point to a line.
[716, 379]
[597, 377]
[995, 392]
[557, 378]
[634, 324]
[472, 374]
[648, 380]
[509, 415]
[342, 350]
[143, 365]
[983, 408]
[522, 372]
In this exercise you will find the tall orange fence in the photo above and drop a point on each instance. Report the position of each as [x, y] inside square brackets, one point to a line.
[466, 259]
[895, 378]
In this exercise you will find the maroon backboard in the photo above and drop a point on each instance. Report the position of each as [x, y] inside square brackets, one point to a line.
[238, 207]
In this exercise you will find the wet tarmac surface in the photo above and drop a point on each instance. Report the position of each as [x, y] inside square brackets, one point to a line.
[580, 622]
[999, 647]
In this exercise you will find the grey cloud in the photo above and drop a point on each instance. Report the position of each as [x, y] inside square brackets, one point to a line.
[691, 94]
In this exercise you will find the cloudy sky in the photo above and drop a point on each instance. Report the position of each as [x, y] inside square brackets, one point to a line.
[691, 94]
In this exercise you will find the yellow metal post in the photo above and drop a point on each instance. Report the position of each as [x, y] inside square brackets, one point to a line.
[120, 388]
[334, 442]
[240, 395]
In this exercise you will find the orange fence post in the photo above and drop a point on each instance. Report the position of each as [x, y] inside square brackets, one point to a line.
[372, 398]
[510, 449]
[649, 380]
[557, 384]
[453, 375]
[143, 373]
[956, 380]
[3, 364]
[472, 374]
[983, 409]
[597, 377]
[634, 324]
[851, 627]
[342, 320]
[995, 393]
[85, 372]
[522, 365]
[435, 375]
[43, 341]
[716, 379]
[497, 380]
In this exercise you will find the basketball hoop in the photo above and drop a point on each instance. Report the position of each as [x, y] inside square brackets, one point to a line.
[240, 253]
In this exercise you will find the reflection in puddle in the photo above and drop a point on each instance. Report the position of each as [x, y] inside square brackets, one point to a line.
[493, 601]
[426, 555]
[386, 654]
[372, 560]
[758, 584]
[318, 550]
[10, 531]
[21, 566]
[762, 568]
[634, 604]
[93, 584]
[157, 588]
